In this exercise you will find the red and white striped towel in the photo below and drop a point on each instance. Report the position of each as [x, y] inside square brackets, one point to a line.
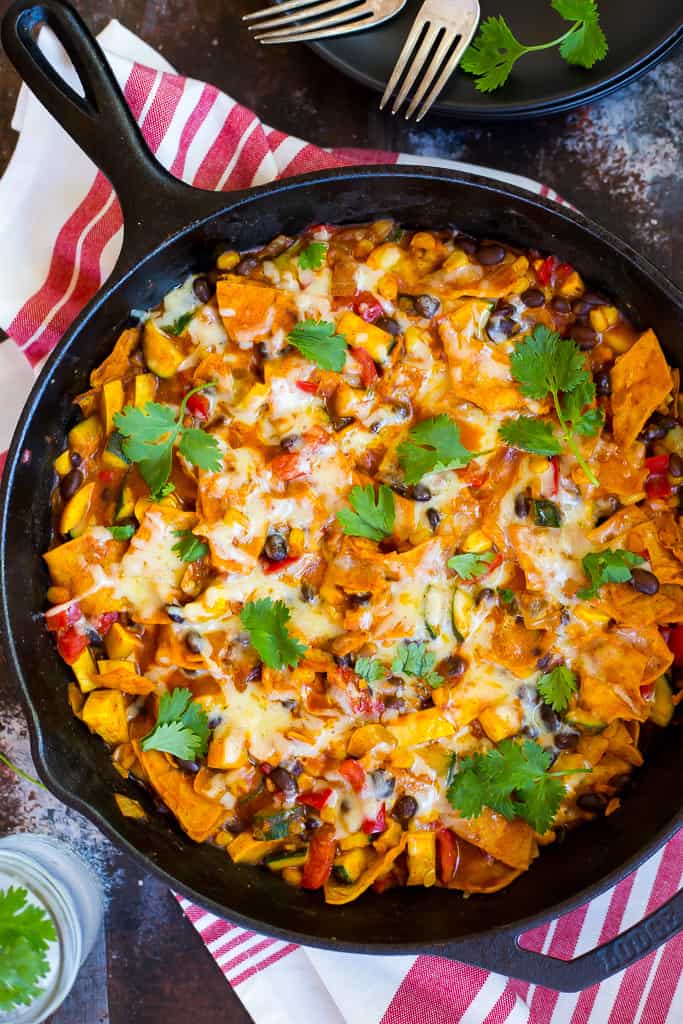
[60, 233]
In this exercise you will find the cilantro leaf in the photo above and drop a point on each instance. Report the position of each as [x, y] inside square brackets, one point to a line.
[370, 669]
[413, 659]
[143, 429]
[506, 595]
[493, 54]
[530, 435]
[25, 934]
[318, 341]
[431, 446]
[313, 256]
[557, 687]
[189, 548]
[585, 44]
[608, 566]
[469, 566]
[177, 326]
[200, 448]
[266, 622]
[573, 403]
[182, 727]
[121, 532]
[372, 517]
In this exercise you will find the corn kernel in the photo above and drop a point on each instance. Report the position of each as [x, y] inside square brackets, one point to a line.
[292, 876]
[538, 464]
[463, 606]
[415, 339]
[387, 286]
[58, 595]
[233, 517]
[572, 286]
[591, 615]
[384, 257]
[520, 265]
[603, 317]
[297, 540]
[423, 240]
[63, 463]
[223, 838]
[457, 259]
[227, 260]
[477, 542]
[520, 284]
[328, 814]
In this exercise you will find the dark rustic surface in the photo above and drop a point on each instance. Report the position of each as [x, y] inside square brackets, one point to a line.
[618, 160]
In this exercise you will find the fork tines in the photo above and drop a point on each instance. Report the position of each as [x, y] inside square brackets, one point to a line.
[341, 16]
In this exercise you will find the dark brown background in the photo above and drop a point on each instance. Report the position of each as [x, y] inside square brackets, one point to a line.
[618, 160]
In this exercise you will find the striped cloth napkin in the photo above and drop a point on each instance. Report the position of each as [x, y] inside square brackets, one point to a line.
[60, 233]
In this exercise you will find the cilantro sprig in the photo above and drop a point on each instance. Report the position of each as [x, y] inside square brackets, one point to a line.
[544, 364]
[557, 687]
[266, 622]
[150, 434]
[189, 547]
[373, 516]
[182, 727]
[313, 256]
[495, 51]
[25, 934]
[431, 446]
[413, 659]
[18, 771]
[370, 669]
[318, 341]
[608, 566]
[513, 779]
[470, 566]
[122, 532]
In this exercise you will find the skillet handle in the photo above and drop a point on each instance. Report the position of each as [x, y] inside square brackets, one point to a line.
[101, 123]
[503, 954]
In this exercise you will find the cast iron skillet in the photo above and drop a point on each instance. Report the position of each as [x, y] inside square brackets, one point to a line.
[170, 229]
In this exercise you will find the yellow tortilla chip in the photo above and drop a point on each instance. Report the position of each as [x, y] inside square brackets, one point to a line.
[512, 842]
[641, 381]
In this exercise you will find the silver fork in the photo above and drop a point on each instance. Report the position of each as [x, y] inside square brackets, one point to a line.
[443, 24]
[342, 16]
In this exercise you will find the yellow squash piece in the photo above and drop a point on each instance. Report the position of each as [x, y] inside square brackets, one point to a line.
[104, 712]
[113, 397]
[120, 643]
[76, 509]
[360, 334]
[85, 670]
[63, 463]
[367, 737]
[144, 389]
[162, 355]
[420, 727]
[422, 858]
[337, 893]
[86, 437]
[244, 849]
[130, 808]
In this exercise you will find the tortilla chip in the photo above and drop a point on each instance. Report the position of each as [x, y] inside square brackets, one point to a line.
[515, 647]
[512, 842]
[476, 871]
[620, 471]
[624, 604]
[612, 671]
[480, 370]
[641, 381]
[614, 529]
[118, 360]
[199, 817]
[252, 311]
[646, 538]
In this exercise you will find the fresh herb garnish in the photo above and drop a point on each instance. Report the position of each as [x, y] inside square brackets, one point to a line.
[177, 326]
[318, 341]
[266, 622]
[25, 934]
[189, 547]
[313, 256]
[530, 435]
[17, 771]
[413, 659]
[513, 780]
[607, 567]
[546, 513]
[370, 669]
[372, 516]
[506, 595]
[122, 532]
[469, 566]
[431, 446]
[557, 687]
[494, 52]
[182, 727]
[545, 364]
[150, 434]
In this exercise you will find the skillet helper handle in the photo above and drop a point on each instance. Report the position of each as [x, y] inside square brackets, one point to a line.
[503, 954]
[101, 123]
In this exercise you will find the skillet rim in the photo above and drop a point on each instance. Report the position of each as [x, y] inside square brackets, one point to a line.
[354, 176]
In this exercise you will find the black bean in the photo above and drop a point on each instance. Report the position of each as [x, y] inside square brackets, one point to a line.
[288, 442]
[233, 825]
[592, 802]
[504, 308]
[433, 517]
[289, 705]
[194, 642]
[452, 667]
[255, 674]
[427, 305]
[527, 694]
[202, 289]
[530, 731]
[549, 718]
[275, 548]
[307, 592]
[275, 248]
[666, 422]
[582, 321]
[421, 493]
[676, 465]
[175, 613]
[246, 265]
[501, 328]
[486, 594]
[344, 660]
[341, 423]
[383, 784]
[644, 582]
[215, 720]
[401, 489]
[467, 244]
[585, 338]
[580, 307]
[652, 432]
[490, 255]
[70, 483]
[522, 506]
[359, 600]
[395, 703]
[295, 767]
[533, 298]
[561, 305]
[403, 407]
[388, 324]
[543, 663]
[75, 459]
[191, 767]
[404, 809]
[311, 825]
[284, 781]
[603, 383]
[566, 740]
[595, 299]
[620, 781]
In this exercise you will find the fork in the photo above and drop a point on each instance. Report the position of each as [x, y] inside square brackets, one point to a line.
[443, 24]
[342, 16]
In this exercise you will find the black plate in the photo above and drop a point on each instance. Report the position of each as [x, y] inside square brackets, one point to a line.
[639, 32]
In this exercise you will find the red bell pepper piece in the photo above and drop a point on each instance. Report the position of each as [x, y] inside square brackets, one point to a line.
[106, 475]
[271, 567]
[647, 691]
[320, 858]
[563, 271]
[657, 487]
[367, 307]
[449, 854]
[675, 642]
[309, 386]
[292, 465]
[371, 826]
[104, 622]
[555, 463]
[545, 271]
[354, 773]
[657, 464]
[60, 618]
[315, 798]
[368, 370]
[494, 565]
[70, 643]
[199, 406]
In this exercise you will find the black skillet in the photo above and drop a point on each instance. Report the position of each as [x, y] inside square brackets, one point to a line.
[169, 230]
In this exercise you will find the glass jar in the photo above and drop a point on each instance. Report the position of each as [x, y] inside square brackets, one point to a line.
[65, 887]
